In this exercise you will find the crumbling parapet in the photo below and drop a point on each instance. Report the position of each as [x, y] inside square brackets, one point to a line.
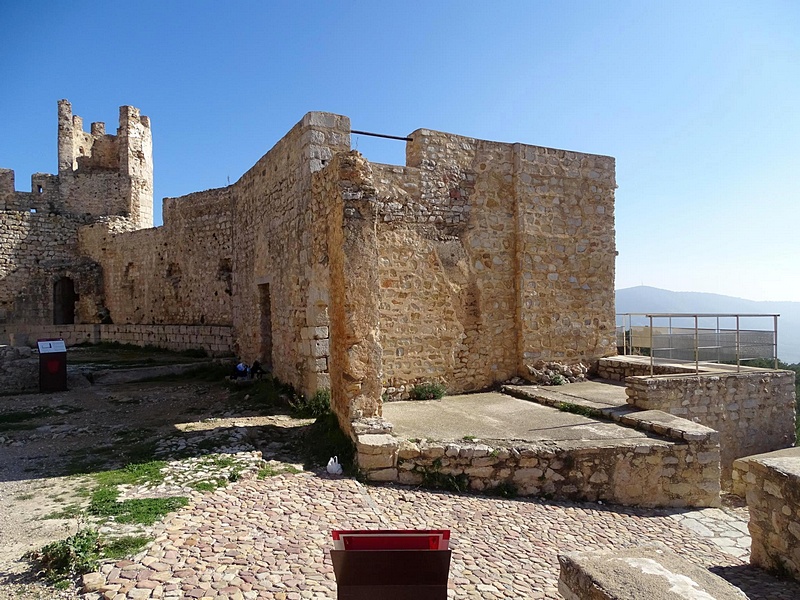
[772, 483]
[754, 412]
[678, 467]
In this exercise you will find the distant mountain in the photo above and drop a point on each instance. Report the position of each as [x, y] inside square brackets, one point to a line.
[644, 299]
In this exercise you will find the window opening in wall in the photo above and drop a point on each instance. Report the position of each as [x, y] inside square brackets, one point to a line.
[39, 189]
[265, 304]
[33, 210]
[64, 298]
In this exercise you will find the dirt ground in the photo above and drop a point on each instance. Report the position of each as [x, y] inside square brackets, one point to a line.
[50, 444]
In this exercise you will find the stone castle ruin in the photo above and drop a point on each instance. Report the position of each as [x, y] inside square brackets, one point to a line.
[475, 261]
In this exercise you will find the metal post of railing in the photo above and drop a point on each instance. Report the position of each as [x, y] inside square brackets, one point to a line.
[671, 341]
[775, 338]
[718, 341]
[738, 353]
[651, 345]
[696, 347]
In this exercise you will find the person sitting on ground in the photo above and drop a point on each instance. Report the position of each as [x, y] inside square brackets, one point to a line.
[256, 370]
[242, 370]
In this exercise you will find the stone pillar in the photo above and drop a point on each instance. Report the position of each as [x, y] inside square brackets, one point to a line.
[356, 372]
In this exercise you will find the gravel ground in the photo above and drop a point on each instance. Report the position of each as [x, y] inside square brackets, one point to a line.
[101, 427]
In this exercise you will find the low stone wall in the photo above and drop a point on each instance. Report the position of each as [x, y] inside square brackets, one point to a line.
[617, 369]
[18, 370]
[678, 466]
[753, 411]
[215, 340]
[651, 571]
[773, 497]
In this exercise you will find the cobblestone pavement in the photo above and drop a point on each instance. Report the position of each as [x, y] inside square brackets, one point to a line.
[270, 539]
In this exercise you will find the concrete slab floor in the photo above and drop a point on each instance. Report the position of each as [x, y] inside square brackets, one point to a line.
[496, 416]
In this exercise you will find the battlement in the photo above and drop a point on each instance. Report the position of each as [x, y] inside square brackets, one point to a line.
[105, 174]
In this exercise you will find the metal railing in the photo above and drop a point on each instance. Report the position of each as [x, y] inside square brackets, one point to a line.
[707, 338]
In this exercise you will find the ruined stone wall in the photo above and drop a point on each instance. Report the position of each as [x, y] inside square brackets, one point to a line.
[102, 174]
[492, 257]
[773, 498]
[280, 287]
[619, 369]
[37, 249]
[177, 274]
[678, 466]
[753, 412]
[355, 352]
[215, 340]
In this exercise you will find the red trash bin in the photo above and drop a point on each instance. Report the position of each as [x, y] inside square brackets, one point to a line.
[391, 564]
[52, 365]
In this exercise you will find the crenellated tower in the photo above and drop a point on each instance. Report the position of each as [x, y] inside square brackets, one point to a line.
[102, 174]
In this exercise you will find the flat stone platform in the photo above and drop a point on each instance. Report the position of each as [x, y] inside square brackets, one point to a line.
[496, 416]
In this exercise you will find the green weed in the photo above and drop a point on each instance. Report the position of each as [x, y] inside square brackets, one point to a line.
[428, 391]
[317, 405]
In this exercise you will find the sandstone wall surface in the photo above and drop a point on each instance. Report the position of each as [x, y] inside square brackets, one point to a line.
[677, 466]
[177, 274]
[215, 340]
[753, 412]
[491, 257]
[38, 249]
[773, 498]
[280, 287]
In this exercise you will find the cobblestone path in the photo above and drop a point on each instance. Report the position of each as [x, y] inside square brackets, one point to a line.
[270, 539]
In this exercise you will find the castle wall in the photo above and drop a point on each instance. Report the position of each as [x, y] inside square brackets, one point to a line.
[102, 174]
[280, 279]
[754, 412]
[39, 248]
[178, 274]
[492, 257]
[215, 340]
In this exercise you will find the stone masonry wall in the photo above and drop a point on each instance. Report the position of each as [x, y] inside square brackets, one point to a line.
[177, 274]
[492, 256]
[280, 287]
[102, 174]
[773, 498]
[37, 249]
[215, 340]
[753, 412]
[618, 369]
[679, 466]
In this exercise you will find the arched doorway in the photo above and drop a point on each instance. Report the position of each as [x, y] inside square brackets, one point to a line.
[64, 298]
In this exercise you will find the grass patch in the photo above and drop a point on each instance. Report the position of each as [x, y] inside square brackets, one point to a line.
[62, 561]
[270, 471]
[144, 511]
[469, 438]
[578, 409]
[124, 546]
[71, 511]
[8, 420]
[431, 390]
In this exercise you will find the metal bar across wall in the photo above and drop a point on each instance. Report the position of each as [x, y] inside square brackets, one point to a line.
[382, 135]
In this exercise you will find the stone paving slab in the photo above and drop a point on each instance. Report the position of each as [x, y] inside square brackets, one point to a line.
[499, 417]
[270, 539]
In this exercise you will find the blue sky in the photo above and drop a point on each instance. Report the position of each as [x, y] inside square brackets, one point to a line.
[698, 101]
